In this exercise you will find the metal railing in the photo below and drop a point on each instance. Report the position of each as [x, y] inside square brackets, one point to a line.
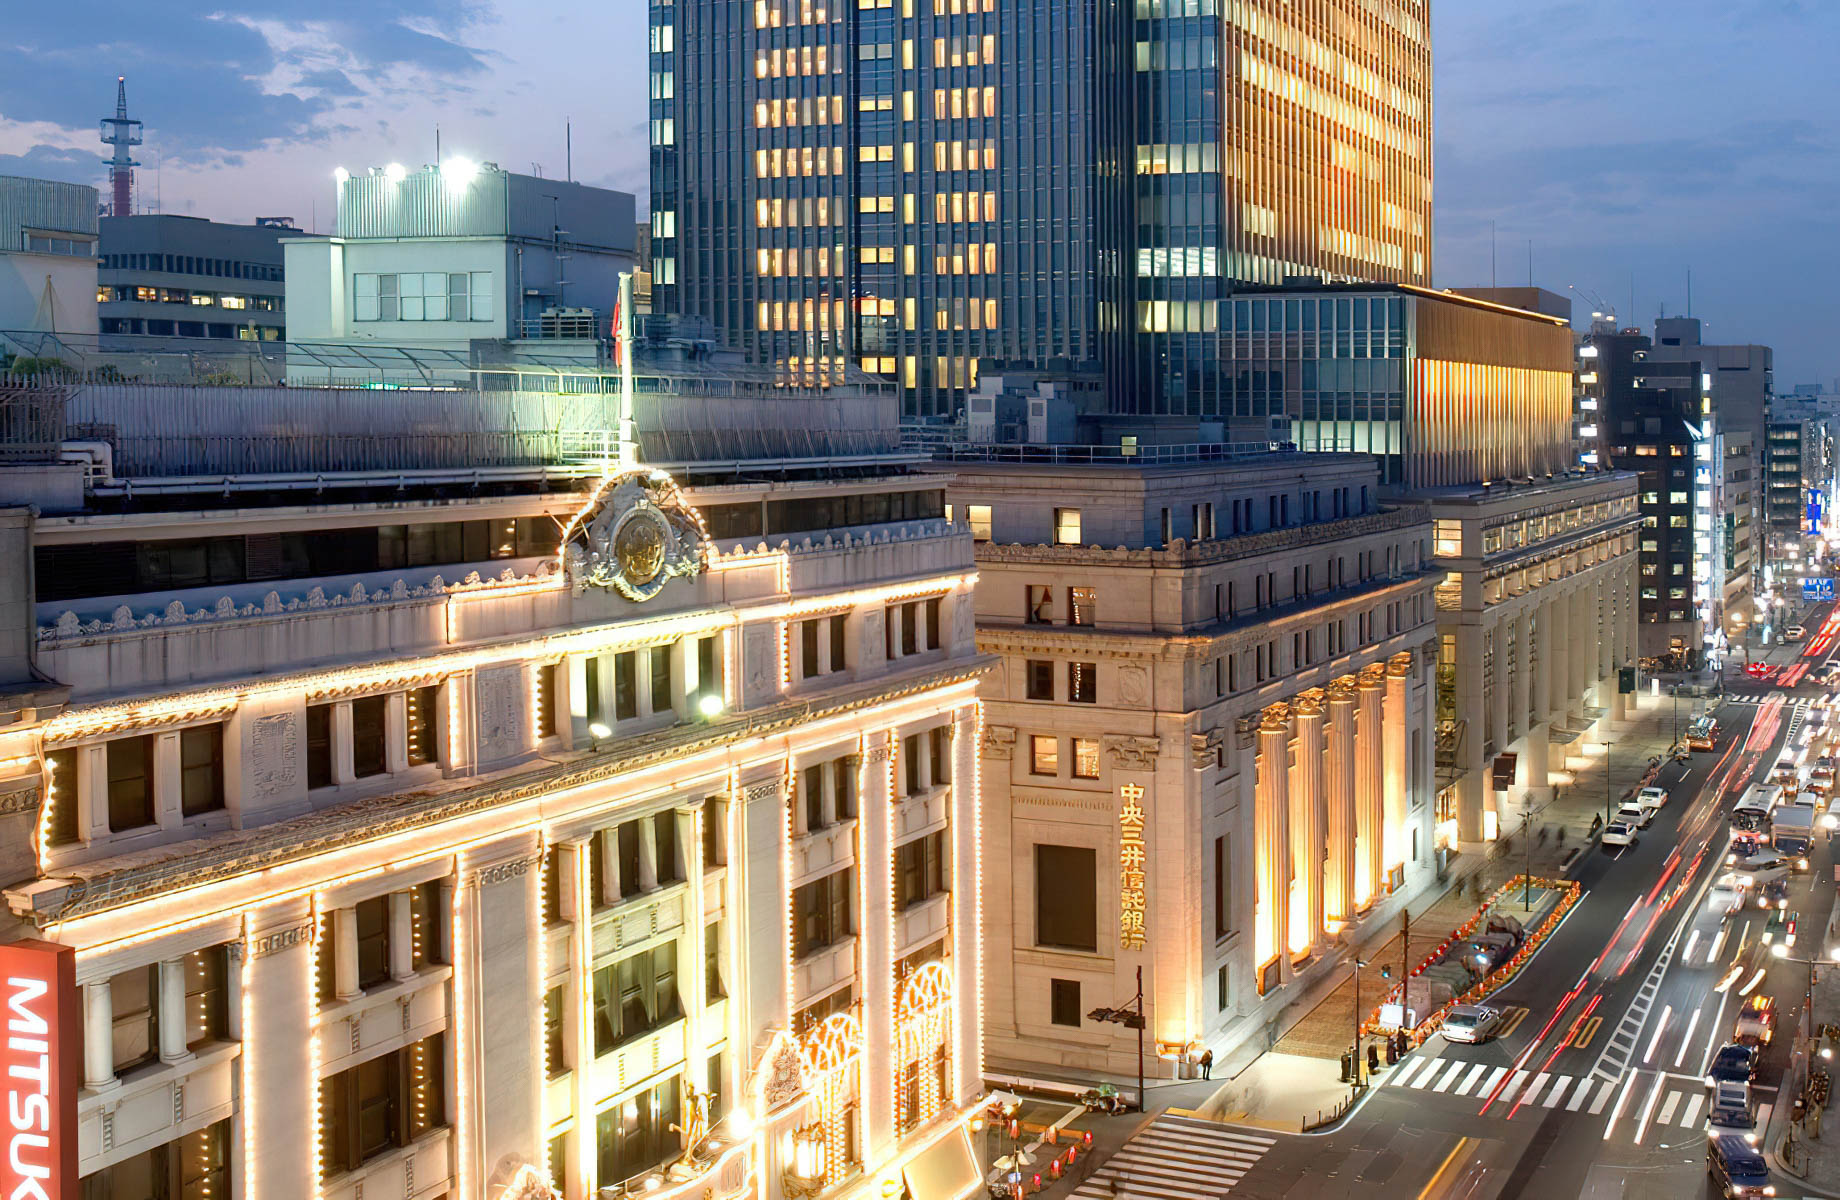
[1125, 455]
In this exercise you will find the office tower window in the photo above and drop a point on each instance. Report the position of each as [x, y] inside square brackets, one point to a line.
[1066, 897]
[201, 769]
[1044, 755]
[130, 782]
[1064, 1002]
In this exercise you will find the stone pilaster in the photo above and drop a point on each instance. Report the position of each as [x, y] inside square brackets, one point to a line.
[1339, 896]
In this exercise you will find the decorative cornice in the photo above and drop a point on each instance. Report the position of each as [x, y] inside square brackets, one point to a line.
[500, 872]
[19, 795]
[280, 939]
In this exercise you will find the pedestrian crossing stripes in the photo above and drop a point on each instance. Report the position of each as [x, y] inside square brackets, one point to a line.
[1746, 697]
[1181, 1158]
[1678, 1101]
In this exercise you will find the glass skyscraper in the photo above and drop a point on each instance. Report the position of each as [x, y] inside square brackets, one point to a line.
[910, 186]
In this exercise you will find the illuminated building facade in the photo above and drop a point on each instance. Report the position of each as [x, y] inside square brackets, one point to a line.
[1208, 748]
[1442, 388]
[913, 185]
[461, 835]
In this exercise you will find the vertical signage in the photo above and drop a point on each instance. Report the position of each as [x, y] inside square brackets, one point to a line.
[39, 1060]
[1131, 868]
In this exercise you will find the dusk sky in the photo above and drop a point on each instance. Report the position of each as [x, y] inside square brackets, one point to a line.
[1626, 139]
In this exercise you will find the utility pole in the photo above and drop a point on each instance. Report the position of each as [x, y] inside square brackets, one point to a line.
[1140, 1038]
[1527, 878]
[1355, 1058]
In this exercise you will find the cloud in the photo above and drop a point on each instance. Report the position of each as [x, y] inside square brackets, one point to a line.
[52, 162]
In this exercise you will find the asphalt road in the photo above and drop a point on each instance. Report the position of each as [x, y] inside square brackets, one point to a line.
[1598, 1089]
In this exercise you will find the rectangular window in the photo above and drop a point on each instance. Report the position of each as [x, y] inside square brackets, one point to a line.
[195, 1166]
[1040, 604]
[635, 1136]
[554, 1043]
[1067, 897]
[1044, 755]
[372, 919]
[910, 631]
[910, 765]
[1082, 606]
[426, 913]
[206, 999]
[939, 754]
[549, 678]
[919, 869]
[709, 679]
[383, 1104]
[712, 963]
[625, 686]
[821, 912]
[839, 656]
[664, 843]
[1064, 1002]
[978, 515]
[130, 765]
[932, 608]
[1223, 895]
[635, 996]
[421, 726]
[627, 839]
[134, 1001]
[808, 649]
[1066, 526]
[843, 784]
[369, 735]
[201, 769]
[1083, 683]
[64, 827]
[1040, 674]
[1085, 758]
[662, 680]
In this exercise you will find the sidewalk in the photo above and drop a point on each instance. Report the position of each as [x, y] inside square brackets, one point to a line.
[1297, 1079]
[1817, 1159]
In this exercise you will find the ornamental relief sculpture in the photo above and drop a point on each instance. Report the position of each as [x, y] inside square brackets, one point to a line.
[999, 741]
[636, 534]
[273, 744]
[1129, 753]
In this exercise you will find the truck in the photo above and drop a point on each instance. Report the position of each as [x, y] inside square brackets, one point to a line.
[1792, 832]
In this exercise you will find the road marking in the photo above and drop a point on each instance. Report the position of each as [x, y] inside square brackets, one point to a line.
[1514, 1083]
[1533, 1092]
[1488, 1085]
[1687, 954]
[1648, 1108]
[1667, 1110]
[1432, 1187]
[1667, 1010]
[1586, 1032]
[1558, 1091]
[1622, 1098]
[1694, 1100]
[1718, 946]
[1580, 1094]
[1456, 1068]
[1405, 1070]
[1470, 1080]
[1712, 1040]
[1687, 1037]
[1511, 1021]
[1424, 1077]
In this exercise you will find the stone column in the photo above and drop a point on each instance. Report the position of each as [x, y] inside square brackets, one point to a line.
[1518, 690]
[1539, 659]
[1584, 646]
[1472, 705]
[1559, 667]
[1370, 785]
[98, 1035]
[875, 834]
[1339, 896]
[1606, 625]
[1273, 765]
[171, 1007]
[1498, 688]
[1309, 830]
[499, 904]
[1398, 740]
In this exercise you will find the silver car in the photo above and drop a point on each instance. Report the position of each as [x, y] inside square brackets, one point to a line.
[1470, 1023]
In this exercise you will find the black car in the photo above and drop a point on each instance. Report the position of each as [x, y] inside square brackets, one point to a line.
[1734, 1062]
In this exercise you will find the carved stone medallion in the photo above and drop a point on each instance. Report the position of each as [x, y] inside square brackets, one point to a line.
[636, 534]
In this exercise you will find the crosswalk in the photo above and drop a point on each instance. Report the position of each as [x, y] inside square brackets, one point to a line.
[1181, 1158]
[1746, 697]
[1636, 1106]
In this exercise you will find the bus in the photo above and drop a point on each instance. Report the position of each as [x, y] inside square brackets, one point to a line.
[1752, 815]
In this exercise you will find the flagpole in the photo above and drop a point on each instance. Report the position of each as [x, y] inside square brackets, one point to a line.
[622, 349]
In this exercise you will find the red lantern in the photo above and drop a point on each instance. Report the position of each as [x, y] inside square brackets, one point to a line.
[1054, 1169]
[1073, 1155]
[1088, 1138]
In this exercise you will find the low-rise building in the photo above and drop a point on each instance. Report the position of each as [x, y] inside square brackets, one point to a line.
[1208, 748]
[458, 264]
[484, 815]
[169, 276]
[47, 260]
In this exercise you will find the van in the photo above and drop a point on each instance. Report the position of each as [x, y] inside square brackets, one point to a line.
[1736, 1167]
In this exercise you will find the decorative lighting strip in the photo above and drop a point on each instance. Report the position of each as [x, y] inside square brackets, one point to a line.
[464, 1123]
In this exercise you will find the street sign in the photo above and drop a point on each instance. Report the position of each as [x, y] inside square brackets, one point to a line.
[1817, 589]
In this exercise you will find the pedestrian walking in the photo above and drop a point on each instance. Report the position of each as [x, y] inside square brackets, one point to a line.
[1207, 1063]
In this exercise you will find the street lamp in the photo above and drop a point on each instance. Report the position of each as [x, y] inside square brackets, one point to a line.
[1130, 1019]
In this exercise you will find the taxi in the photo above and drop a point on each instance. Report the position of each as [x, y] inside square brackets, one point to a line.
[1756, 1021]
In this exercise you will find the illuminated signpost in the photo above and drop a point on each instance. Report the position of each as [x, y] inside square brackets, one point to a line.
[1131, 868]
[39, 1060]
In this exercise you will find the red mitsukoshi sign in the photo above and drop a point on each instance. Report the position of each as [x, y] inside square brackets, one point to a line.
[39, 1061]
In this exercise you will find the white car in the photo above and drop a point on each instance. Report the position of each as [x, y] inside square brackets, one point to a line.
[1470, 1023]
[1619, 833]
[1629, 814]
[1727, 895]
[1652, 800]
